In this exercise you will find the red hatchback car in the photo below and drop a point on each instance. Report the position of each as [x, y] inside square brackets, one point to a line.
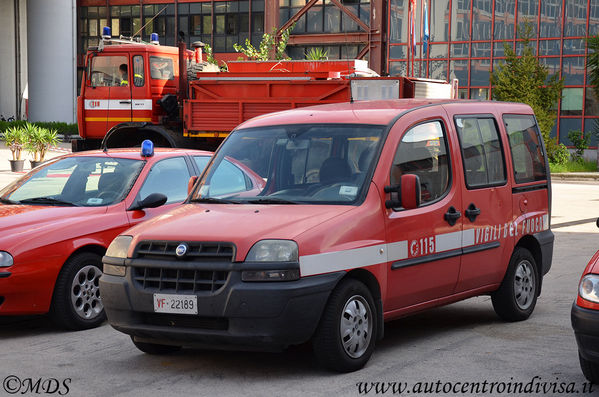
[58, 220]
[585, 319]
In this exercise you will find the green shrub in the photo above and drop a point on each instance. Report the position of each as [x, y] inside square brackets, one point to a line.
[557, 153]
[580, 141]
[59, 127]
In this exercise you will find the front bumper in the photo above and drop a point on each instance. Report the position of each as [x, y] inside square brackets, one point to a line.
[254, 315]
[586, 328]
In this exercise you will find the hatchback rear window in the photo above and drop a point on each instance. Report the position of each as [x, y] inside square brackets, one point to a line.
[528, 157]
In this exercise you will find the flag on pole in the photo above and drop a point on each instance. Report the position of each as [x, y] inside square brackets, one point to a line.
[425, 28]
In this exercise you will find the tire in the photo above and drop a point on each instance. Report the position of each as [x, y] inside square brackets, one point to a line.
[350, 315]
[590, 369]
[155, 349]
[76, 303]
[516, 298]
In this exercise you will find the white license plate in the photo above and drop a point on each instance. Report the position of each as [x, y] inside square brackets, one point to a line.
[179, 304]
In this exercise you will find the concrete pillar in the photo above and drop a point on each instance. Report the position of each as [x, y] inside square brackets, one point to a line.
[51, 47]
[13, 57]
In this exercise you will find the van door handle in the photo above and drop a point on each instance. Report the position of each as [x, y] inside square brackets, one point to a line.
[452, 215]
[125, 102]
[472, 212]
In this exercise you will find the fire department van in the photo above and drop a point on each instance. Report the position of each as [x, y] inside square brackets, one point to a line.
[369, 211]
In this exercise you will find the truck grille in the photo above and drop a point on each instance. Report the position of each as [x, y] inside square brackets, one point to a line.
[198, 251]
[199, 270]
[179, 280]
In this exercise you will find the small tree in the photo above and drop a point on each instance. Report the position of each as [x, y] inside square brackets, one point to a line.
[593, 63]
[15, 140]
[270, 44]
[522, 78]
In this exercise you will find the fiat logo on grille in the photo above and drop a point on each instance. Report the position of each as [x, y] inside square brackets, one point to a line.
[181, 250]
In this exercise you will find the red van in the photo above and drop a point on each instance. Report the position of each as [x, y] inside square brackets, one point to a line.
[370, 211]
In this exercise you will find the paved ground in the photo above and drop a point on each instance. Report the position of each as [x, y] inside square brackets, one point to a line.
[463, 342]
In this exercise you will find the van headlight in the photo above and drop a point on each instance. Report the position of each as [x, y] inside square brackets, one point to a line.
[5, 259]
[119, 247]
[271, 252]
[589, 288]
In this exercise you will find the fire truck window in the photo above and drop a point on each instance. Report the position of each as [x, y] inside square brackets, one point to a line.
[423, 152]
[138, 71]
[161, 68]
[109, 71]
[482, 156]
[169, 177]
[525, 144]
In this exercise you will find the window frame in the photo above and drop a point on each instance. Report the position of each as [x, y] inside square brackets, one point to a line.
[190, 169]
[445, 131]
[505, 172]
[541, 146]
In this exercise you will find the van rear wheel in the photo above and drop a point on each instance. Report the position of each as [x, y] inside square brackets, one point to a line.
[345, 337]
[516, 298]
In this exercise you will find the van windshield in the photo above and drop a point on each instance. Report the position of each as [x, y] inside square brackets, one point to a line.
[308, 164]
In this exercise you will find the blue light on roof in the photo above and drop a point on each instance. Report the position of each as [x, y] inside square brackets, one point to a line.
[106, 33]
[154, 38]
[147, 148]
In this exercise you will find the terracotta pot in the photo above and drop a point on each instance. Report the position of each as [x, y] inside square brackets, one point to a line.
[17, 165]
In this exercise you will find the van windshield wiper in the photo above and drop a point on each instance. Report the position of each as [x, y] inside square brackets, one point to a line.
[7, 201]
[214, 200]
[47, 200]
[271, 200]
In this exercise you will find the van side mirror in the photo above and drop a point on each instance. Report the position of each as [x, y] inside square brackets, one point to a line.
[408, 192]
[190, 183]
[152, 201]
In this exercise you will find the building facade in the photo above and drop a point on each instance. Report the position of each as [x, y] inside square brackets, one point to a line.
[467, 39]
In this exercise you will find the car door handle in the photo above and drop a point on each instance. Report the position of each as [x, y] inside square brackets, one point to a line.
[125, 102]
[452, 215]
[472, 212]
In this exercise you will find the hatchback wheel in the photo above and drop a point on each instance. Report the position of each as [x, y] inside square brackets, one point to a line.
[590, 370]
[77, 303]
[516, 298]
[345, 337]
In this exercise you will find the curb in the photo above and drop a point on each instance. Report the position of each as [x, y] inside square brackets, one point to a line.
[575, 176]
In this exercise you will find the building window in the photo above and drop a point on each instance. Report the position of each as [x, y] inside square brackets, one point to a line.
[571, 102]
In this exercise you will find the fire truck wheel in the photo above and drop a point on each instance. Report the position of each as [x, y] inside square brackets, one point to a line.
[345, 337]
[155, 349]
[517, 296]
[76, 303]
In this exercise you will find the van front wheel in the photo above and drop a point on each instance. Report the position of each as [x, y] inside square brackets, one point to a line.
[517, 296]
[344, 339]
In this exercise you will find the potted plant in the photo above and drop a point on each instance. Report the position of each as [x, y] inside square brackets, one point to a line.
[15, 140]
[39, 140]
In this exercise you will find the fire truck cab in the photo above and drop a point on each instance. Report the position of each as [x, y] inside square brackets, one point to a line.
[124, 86]
[370, 211]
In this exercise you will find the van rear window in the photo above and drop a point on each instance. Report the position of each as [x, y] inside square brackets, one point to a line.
[528, 157]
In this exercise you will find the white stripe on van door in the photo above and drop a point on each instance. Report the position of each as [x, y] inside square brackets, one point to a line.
[381, 253]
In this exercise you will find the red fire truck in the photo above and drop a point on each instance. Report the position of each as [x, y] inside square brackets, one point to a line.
[132, 90]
